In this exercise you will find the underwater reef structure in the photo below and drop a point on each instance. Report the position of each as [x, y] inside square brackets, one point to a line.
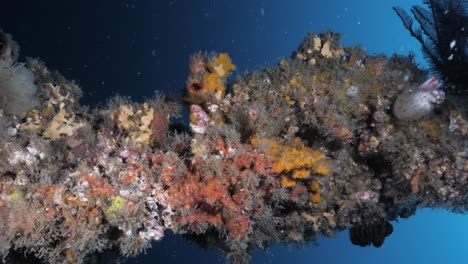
[327, 140]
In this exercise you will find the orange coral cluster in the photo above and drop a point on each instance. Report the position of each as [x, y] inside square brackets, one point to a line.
[207, 78]
[220, 67]
[298, 161]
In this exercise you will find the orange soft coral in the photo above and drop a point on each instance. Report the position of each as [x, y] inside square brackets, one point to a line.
[314, 188]
[213, 83]
[223, 64]
[297, 162]
[298, 159]
[287, 181]
[213, 77]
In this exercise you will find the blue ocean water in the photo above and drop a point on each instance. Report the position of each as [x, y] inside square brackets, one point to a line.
[134, 47]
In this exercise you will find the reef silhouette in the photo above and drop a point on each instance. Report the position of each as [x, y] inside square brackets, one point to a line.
[306, 148]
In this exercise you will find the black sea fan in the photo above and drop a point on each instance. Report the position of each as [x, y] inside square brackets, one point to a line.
[443, 34]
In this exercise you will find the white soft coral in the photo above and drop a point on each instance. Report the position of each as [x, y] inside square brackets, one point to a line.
[417, 102]
[17, 88]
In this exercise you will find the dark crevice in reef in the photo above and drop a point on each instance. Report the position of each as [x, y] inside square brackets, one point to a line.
[20, 256]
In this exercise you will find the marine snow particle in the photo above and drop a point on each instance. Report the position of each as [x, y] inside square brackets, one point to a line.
[453, 44]
[416, 102]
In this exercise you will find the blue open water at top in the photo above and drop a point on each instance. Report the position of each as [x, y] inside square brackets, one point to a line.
[134, 47]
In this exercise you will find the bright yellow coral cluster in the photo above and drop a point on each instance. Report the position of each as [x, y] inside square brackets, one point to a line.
[116, 206]
[299, 161]
[213, 83]
[63, 123]
[221, 66]
[136, 121]
[314, 188]
[59, 104]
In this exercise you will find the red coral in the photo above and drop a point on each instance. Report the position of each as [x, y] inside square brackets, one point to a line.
[159, 125]
[238, 226]
[298, 190]
[254, 161]
[213, 190]
[99, 186]
[227, 202]
[47, 191]
[157, 159]
[129, 177]
[415, 178]
[240, 197]
[222, 147]
[167, 174]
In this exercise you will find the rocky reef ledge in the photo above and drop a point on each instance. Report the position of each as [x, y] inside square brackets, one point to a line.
[329, 139]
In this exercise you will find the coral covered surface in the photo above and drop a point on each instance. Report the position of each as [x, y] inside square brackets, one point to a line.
[306, 148]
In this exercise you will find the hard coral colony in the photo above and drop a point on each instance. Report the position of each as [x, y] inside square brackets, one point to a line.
[317, 144]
